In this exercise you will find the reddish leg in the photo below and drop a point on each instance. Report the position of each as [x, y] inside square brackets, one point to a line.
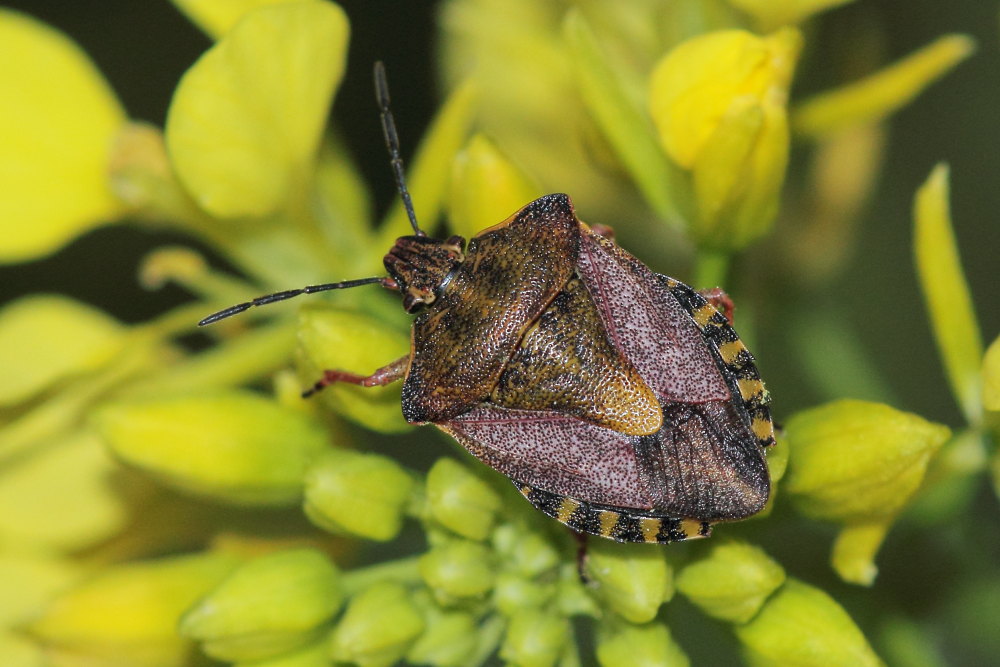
[720, 300]
[383, 376]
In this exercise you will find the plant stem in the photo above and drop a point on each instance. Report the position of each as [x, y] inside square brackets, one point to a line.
[710, 269]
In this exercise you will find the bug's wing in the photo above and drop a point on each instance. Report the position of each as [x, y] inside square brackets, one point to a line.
[648, 325]
[696, 467]
[510, 274]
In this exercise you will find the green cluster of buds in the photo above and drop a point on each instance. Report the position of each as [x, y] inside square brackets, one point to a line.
[169, 504]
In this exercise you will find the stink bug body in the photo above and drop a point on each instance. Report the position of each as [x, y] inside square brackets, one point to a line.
[619, 401]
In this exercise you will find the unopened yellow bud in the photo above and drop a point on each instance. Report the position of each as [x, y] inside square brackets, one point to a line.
[732, 582]
[534, 638]
[458, 569]
[360, 494]
[486, 187]
[855, 461]
[719, 102]
[460, 500]
[233, 445]
[450, 640]
[266, 607]
[633, 580]
[130, 612]
[378, 627]
[801, 625]
[640, 646]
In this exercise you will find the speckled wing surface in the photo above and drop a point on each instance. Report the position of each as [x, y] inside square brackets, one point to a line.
[510, 275]
[705, 463]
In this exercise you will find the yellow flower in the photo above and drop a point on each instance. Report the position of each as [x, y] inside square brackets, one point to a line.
[719, 102]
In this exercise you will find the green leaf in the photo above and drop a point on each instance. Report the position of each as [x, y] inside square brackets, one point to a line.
[946, 292]
[245, 123]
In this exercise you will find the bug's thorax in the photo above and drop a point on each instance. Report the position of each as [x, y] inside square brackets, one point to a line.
[422, 267]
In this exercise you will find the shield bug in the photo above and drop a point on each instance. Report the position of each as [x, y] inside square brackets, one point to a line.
[619, 401]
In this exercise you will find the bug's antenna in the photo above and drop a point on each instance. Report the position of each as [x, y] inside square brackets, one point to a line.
[392, 143]
[288, 294]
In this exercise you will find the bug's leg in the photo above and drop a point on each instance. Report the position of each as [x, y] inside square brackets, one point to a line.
[721, 301]
[385, 375]
[604, 230]
[581, 555]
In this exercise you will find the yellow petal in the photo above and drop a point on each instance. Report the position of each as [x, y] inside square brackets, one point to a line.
[47, 339]
[63, 498]
[245, 123]
[876, 96]
[59, 119]
[946, 292]
[216, 17]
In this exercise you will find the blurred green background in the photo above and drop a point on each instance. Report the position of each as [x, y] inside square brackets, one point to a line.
[144, 47]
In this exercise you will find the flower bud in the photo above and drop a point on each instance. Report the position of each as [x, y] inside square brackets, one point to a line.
[719, 102]
[450, 640]
[648, 645]
[458, 569]
[360, 494]
[485, 188]
[231, 445]
[37, 351]
[855, 461]
[632, 580]
[534, 639]
[267, 607]
[460, 500]
[378, 627]
[801, 625]
[514, 593]
[731, 582]
[524, 550]
[73, 505]
[130, 612]
[316, 654]
[331, 338]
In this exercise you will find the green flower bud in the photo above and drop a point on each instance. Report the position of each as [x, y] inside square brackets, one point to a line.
[360, 494]
[854, 461]
[855, 548]
[803, 626]
[524, 551]
[633, 580]
[450, 640]
[991, 377]
[485, 188]
[572, 597]
[513, 593]
[460, 500]
[316, 654]
[378, 627]
[458, 569]
[534, 639]
[731, 582]
[73, 503]
[267, 607]
[130, 612]
[349, 341]
[36, 352]
[630, 645]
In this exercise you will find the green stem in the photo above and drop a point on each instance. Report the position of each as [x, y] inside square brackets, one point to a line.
[404, 571]
[710, 269]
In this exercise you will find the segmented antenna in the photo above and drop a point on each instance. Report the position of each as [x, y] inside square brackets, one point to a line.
[287, 294]
[392, 143]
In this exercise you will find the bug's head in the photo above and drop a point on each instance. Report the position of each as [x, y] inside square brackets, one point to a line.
[422, 267]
